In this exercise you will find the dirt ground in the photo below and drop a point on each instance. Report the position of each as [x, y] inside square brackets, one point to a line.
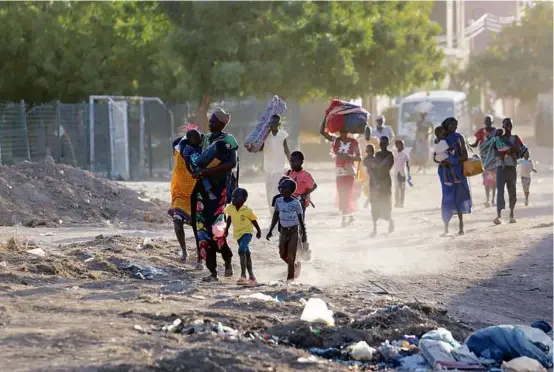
[99, 298]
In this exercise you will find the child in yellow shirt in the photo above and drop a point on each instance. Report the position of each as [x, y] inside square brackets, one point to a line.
[242, 218]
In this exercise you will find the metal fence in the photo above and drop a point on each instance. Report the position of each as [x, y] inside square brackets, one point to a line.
[64, 131]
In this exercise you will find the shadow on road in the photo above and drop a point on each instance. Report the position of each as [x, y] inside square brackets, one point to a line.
[518, 293]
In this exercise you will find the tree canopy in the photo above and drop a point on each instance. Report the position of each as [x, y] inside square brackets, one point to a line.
[204, 51]
[518, 62]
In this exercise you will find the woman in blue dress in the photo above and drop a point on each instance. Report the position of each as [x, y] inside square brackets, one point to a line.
[456, 198]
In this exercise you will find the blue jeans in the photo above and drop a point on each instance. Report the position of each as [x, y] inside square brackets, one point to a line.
[207, 156]
[244, 243]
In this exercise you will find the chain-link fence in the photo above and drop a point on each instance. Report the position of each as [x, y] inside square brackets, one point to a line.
[122, 138]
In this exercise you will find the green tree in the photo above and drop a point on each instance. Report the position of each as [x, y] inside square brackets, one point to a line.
[68, 51]
[302, 49]
[518, 62]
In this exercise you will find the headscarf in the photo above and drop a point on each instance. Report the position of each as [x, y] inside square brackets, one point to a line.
[221, 116]
[447, 121]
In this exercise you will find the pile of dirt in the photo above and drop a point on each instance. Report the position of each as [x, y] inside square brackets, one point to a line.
[48, 194]
[102, 258]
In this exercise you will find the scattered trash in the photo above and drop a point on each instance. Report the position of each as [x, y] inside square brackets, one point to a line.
[87, 256]
[3, 263]
[463, 354]
[315, 331]
[329, 353]
[197, 297]
[303, 301]
[48, 234]
[143, 272]
[522, 364]
[441, 334]
[173, 327]
[498, 341]
[542, 325]
[37, 252]
[389, 309]
[145, 200]
[139, 328]
[388, 351]
[147, 243]
[274, 283]
[362, 351]
[316, 311]
[312, 359]
[436, 352]
[414, 362]
[261, 297]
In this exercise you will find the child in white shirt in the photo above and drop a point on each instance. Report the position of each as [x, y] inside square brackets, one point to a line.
[402, 173]
[526, 166]
[442, 150]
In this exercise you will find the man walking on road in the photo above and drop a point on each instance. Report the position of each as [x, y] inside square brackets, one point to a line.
[381, 129]
[276, 155]
[506, 171]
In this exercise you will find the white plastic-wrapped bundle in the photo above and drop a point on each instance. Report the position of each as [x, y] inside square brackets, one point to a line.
[256, 138]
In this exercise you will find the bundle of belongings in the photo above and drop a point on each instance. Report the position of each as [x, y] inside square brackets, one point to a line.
[255, 140]
[341, 115]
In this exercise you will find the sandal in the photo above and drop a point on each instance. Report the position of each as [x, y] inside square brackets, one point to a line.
[242, 281]
[251, 283]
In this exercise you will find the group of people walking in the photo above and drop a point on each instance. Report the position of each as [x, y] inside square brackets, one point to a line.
[500, 152]
[205, 193]
[377, 164]
[206, 196]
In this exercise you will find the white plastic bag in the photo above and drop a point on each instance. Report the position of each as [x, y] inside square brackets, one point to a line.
[362, 351]
[316, 311]
[441, 334]
[522, 364]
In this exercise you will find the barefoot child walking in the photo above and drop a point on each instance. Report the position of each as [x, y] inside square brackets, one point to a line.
[288, 212]
[305, 185]
[243, 218]
[402, 173]
[526, 167]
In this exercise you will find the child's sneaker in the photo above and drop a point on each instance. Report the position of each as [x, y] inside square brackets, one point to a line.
[242, 281]
[251, 282]
[297, 268]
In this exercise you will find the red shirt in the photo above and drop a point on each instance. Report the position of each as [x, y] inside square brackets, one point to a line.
[345, 167]
[304, 183]
[482, 134]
